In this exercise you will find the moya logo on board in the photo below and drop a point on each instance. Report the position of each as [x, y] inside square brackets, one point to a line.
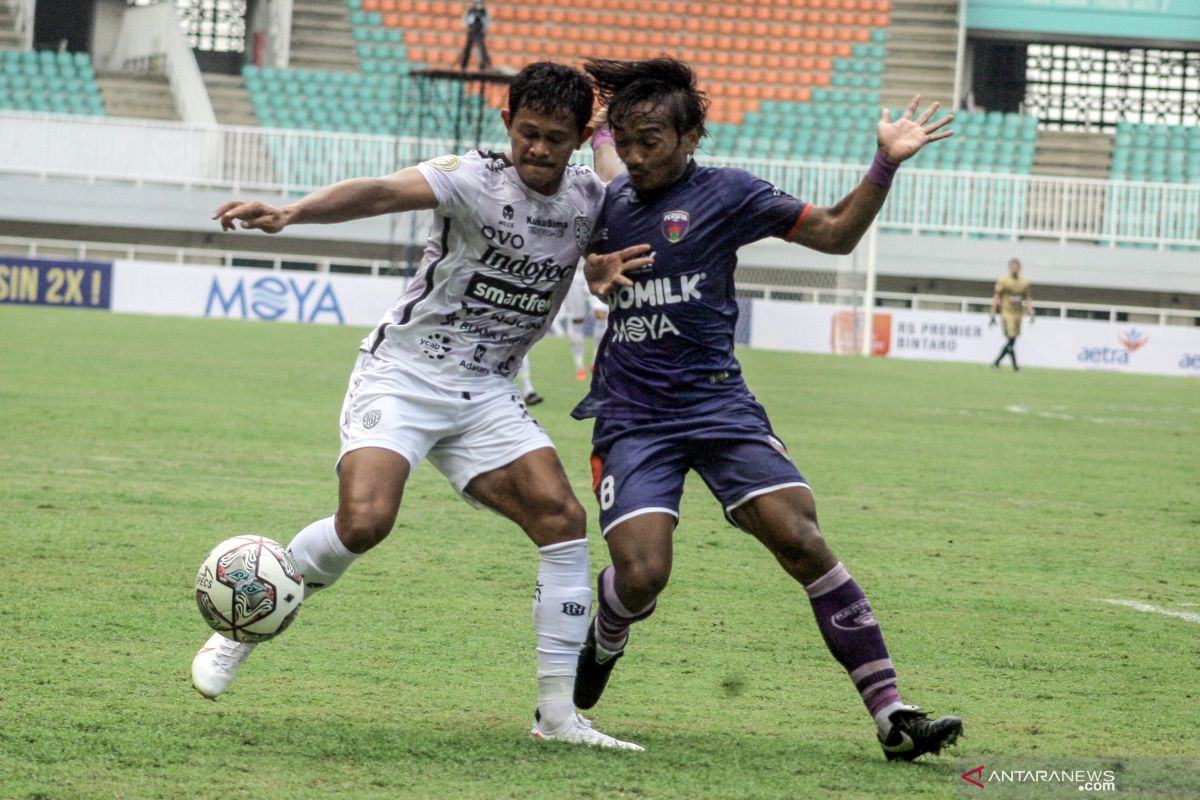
[274, 298]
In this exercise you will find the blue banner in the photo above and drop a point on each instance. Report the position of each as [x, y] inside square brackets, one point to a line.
[41, 282]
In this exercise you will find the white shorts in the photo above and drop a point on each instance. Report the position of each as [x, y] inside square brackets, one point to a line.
[464, 434]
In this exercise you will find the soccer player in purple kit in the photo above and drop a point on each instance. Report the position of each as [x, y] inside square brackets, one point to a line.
[668, 395]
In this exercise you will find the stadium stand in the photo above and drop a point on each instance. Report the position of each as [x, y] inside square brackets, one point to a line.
[1156, 153]
[49, 81]
[747, 54]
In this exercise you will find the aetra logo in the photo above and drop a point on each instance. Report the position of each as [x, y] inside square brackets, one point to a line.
[505, 238]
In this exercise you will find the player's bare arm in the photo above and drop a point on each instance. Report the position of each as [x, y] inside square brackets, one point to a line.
[608, 165]
[838, 228]
[605, 272]
[356, 198]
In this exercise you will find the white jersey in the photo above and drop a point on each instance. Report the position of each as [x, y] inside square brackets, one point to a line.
[580, 302]
[497, 264]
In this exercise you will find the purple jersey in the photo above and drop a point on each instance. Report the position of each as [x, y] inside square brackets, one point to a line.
[669, 344]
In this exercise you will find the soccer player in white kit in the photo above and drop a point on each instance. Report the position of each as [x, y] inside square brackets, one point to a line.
[434, 379]
[578, 305]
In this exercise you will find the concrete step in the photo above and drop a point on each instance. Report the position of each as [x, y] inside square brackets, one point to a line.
[346, 63]
[923, 43]
[333, 10]
[236, 118]
[326, 51]
[1073, 153]
[314, 25]
[931, 87]
[321, 37]
[926, 5]
[919, 62]
[138, 96]
[915, 19]
[230, 100]
[1100, 171]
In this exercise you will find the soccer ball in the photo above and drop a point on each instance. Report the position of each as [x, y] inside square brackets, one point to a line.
[248, 589]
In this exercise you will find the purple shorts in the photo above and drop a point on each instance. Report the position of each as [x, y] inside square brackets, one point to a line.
[638, 467]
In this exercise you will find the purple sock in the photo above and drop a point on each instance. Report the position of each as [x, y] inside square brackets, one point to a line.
[846, 621]
[613, 619]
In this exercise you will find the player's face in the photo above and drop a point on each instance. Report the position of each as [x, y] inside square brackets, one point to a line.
[541, 146]
[1014, 267]
[654, 154]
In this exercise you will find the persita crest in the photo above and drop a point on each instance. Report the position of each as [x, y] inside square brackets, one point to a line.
[856, 615]
[583, 231]
[675, 225]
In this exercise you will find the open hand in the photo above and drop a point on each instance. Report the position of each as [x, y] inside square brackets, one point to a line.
[607, 272]
[903, 138]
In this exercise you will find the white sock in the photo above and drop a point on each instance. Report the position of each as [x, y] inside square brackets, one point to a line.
[523, 374]
[881, 718]
[320, 555]
[561, 604]
[575, 334]
[599, 326]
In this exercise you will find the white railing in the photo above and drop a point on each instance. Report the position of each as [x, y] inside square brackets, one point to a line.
[197, 256]
[968, 305]
[988, 205]
[193, 256]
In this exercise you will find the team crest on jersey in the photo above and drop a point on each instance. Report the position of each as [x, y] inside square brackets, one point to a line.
[675, 225]
[445, 163]
[371, 418]
[583, 231]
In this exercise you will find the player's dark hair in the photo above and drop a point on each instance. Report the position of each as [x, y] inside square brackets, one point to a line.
[549, 88]
[665, 82]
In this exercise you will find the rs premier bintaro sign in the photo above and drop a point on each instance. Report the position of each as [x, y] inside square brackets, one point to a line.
[1178, 20]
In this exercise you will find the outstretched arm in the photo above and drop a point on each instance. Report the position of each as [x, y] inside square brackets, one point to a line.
[604, 151]
[838, 228]
[406, 190]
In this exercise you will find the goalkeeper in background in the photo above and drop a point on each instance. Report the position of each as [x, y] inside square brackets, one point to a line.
[1013, 297]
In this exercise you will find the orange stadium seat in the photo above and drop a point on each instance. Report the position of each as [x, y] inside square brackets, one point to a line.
[746, 52]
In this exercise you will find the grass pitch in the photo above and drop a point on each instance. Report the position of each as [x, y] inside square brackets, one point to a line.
[989, 516]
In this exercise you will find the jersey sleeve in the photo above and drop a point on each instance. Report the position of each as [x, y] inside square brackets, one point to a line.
[761, 209]
[455, 181]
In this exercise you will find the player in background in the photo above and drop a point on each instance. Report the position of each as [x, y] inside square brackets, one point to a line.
[525, 378]
[668, 394]
[571, 320]
[1013, 297]
[434, 379]
[477, 20]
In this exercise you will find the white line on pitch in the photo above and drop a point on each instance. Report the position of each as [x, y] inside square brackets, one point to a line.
[1189, 616]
